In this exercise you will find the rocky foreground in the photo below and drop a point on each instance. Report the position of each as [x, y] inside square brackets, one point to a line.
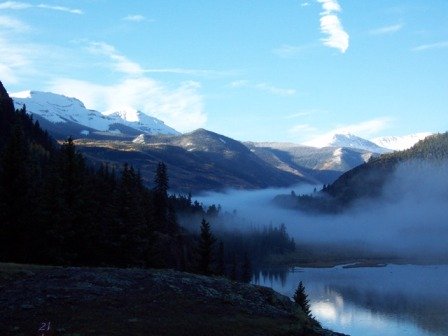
[106, 301]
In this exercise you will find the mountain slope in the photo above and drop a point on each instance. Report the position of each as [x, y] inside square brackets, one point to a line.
[64, 116]
[346, 141]
[321, 165]
[368, 179]
[400, 142]
[200, 160]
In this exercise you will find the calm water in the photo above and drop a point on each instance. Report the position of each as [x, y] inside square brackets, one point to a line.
[391, 300]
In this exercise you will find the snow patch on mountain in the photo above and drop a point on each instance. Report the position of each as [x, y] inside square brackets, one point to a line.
[346, 141]
[400, 142]
[61, 109]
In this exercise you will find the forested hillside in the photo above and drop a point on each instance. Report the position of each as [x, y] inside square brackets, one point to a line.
[369, 179]
[57, 208]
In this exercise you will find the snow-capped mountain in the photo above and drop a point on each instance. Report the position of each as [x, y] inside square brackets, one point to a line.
[346, 141]
[400, 142]
[60, 110]
[321, 165]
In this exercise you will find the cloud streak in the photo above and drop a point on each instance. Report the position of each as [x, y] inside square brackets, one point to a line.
[290, 51]
[180, 107]
[437, 45]
[263, 87]
[331, 26]
[61, 9]
[10, 23]
[363, 129]
[15, 5]
[119, 62]
[134, 18]
[386, 30]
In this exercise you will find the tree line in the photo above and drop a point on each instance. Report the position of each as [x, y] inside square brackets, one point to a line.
[56, 208]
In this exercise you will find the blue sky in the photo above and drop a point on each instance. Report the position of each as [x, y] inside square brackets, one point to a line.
[267, 70]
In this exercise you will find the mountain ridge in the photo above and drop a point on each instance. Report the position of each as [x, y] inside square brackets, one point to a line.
[59, 111]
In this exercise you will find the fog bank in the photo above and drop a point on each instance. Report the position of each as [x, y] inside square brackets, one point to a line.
[410, 218]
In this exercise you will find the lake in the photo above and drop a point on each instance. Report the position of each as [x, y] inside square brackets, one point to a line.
[392, 300]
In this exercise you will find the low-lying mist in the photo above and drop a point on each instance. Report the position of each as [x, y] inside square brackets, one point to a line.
[409, 219]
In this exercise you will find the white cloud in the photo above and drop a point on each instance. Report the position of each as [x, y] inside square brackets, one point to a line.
[289, 51]
[15, 61]
[119, 62]
[331, 26]
[304, 113]
[181, 108]
[194, 72]
[437, 45]
[301, 130]
[14, 5]
[134, 18]
[263, 87]
[24, 5]
[365, 129]
[10, 23]
[61, 8]
[386, 30]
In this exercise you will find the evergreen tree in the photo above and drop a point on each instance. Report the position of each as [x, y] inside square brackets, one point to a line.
[205, 248]
[246, 269]
[234, 268]
[161, 207]
[220, 262]
[301, 298]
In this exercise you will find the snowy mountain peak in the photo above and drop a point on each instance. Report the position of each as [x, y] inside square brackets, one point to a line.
[346, 140]
[400, 142]
[127, 114]
[59, 109]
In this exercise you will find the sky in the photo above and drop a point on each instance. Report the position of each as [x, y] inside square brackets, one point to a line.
[266, 70]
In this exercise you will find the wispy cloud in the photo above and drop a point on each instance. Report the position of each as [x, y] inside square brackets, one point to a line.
[10, 23]
[301, 130]
[365, 129]
[386, 30]
[181, 107]
[290, 51]
[62, 9]
[134, 18]
[15, 61]
[195, 72]
[15, 5]
[331, 26]
[263, 87]
[437, 45]
[124, 65]
[119, 62]
[304, 113]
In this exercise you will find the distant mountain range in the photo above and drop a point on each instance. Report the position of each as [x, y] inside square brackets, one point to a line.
[367, 180]
[64, 116]
[400, 142]
[200, 160]
[347, 141]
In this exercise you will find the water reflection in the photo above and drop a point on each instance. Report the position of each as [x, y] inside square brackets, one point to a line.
[392, 300]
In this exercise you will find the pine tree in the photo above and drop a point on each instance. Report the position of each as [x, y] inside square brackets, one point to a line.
[205, 248]
[220, 262]
[161, 208]
[246, 269]
[301, 298]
